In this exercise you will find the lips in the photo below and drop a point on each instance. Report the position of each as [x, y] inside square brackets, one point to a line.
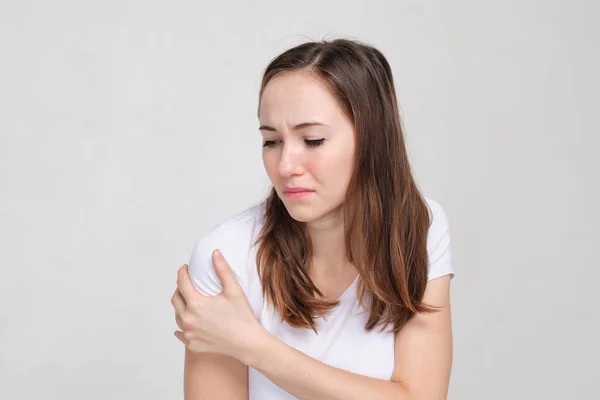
[296, 190]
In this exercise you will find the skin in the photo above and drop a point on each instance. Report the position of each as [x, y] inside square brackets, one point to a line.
[289, 100]
[216, 357]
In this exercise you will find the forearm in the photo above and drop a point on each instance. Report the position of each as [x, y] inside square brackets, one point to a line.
[307, 378]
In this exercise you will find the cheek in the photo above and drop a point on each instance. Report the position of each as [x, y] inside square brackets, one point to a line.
[334, 167]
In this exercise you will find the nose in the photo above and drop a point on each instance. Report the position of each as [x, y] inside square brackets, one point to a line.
[291, 161]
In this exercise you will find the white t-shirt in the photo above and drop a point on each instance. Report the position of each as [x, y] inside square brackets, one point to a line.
[341, 341]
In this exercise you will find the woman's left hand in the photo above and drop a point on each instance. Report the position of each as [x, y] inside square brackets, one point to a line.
[222, 324]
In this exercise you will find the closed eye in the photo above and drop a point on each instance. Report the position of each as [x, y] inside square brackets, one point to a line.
[309, 143]
[314, 143]
[269, 143]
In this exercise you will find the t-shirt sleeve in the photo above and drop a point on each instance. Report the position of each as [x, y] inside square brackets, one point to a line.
[201, 268]
[438, 243]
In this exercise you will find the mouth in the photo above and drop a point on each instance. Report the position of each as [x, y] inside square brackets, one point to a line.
[298, 193]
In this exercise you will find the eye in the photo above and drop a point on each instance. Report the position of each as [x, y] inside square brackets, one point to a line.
[309, 143]
[269, 143]
[314, 143]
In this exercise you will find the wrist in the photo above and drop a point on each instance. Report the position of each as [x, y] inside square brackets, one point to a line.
[258, 349]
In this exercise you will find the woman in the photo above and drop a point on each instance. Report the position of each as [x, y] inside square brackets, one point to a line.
[337, 285]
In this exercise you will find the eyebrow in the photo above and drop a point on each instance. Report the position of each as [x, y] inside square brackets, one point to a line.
[295, 128]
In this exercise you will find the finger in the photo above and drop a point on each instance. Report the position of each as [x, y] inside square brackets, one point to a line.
[225, 273]
[177, 293]
[179, 335]
[184, 284]
[179, 322]
[178, 302]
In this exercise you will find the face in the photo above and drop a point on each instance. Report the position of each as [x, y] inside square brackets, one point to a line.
[308, 142]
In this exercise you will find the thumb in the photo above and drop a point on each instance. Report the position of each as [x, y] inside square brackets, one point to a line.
[224, 272]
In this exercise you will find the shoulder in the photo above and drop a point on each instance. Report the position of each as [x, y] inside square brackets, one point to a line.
[438, 241]
[438, 220]
[241, 226]
[234, 238]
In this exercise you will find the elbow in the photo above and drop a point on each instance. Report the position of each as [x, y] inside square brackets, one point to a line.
[404, 392]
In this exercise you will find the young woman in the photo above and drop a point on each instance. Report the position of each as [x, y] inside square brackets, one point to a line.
[337, 285]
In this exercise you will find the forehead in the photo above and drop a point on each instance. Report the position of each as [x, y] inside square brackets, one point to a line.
[295, 95]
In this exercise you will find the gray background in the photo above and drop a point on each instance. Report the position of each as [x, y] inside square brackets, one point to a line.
[128, 128]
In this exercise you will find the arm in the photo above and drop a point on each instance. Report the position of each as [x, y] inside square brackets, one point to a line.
[212, 376]
[208, 375]
[423, 358]
[423, 353]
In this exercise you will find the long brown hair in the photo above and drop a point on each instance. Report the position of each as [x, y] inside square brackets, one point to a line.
[386, 218]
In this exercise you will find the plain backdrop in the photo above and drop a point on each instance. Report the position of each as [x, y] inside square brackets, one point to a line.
[128, 129]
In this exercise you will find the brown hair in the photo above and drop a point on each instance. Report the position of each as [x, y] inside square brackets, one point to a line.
[385, 216]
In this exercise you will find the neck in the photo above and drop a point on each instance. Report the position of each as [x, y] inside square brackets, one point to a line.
[329, 249]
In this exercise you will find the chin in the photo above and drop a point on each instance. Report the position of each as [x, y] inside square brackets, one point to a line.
[310, 213]
[301, 213]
